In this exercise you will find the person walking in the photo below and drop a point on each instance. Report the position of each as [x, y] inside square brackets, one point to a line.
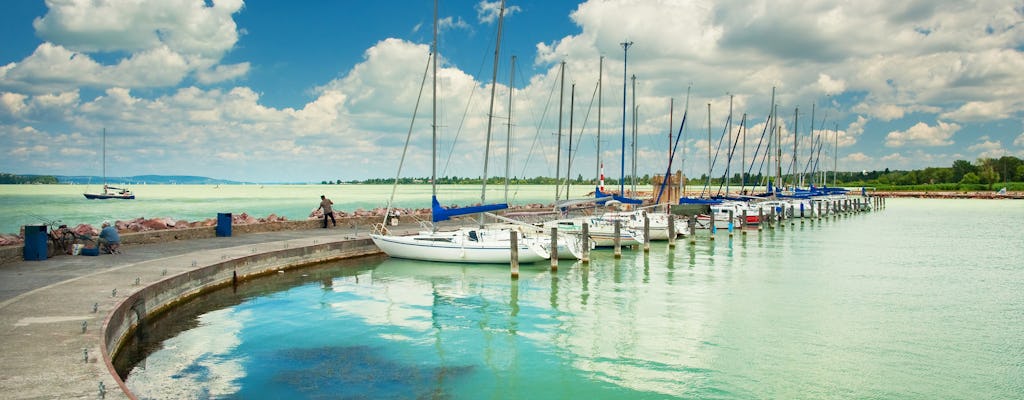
[325, 205]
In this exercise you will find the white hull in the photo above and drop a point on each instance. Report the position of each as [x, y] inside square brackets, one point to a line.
[458, 247]
[602, 232]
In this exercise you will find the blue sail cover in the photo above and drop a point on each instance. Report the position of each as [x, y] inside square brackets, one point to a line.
[622, 199]
[439, 213]
[698, 200]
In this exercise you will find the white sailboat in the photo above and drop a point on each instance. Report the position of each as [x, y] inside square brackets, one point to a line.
[109, 192]
[462, 245]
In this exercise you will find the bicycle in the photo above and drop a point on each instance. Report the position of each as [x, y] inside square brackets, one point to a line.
[62, 239]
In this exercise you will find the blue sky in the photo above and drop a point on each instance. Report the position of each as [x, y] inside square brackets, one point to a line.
[271, 91]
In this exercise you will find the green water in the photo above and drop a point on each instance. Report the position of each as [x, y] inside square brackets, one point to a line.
[35, 204]
[922, 300]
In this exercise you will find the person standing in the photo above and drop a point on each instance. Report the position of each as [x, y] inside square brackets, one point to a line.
[325, 205]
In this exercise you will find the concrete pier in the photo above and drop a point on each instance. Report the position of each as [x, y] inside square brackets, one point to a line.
[61, 316]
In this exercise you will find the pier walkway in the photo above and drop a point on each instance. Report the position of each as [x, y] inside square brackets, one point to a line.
[52, 311]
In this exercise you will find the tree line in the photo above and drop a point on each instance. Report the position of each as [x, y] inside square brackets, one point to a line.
[985, 173]
[9, 179]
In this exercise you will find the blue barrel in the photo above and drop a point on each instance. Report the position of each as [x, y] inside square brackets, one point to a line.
[223, 224]
[35, 242]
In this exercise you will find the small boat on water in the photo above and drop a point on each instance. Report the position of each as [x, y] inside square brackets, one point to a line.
[109, 192]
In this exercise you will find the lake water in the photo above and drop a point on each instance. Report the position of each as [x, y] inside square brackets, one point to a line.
[35, 204]
[921, 300]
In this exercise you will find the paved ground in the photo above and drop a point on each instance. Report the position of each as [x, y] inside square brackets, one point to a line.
[49, 331]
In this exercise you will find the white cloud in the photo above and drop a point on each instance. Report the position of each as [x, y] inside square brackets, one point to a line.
[829, 85]
[487, 11]
[988, 148]
[1019, 141]
[979, 111]
[165, 41]
[922, 134]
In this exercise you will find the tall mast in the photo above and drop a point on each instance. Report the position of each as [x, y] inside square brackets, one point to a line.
[568, 152]
[558, 147]
[682, 162]
[671, 110]
[600, 77]
[622, 169]
[810, 154]
[728, 162]
[433, 118]
[104, 160]
[490, 112]
[796, 139]
[835, 158]
[771, 134]
[632, 154]
[508, 136]
[708, 186]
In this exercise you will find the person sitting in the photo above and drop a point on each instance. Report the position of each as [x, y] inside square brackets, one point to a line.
[110, 241]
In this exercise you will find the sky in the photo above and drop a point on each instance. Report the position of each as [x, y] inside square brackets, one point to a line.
[273, 91]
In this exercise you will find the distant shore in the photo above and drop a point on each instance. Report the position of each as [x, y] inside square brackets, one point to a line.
[951, 195]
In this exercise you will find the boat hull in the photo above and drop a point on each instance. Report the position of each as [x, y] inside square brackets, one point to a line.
[92, 196]
[451, 248]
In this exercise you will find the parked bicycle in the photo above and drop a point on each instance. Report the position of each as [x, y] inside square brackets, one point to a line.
[63, 239]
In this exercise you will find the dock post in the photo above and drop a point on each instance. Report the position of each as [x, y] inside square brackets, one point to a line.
[713, 228]
[647, 234]
[801, 212]
[513, 238]
[554, 249]
[760, 219]
[693, 228]
[586, 243]
[618, 239]
[743, 223]
[792, 216]
[819, 210]
[732, 221]
[671, 231]
[771, 219]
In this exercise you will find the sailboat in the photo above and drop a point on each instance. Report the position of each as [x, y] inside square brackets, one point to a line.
[109, 192]
[466, 244]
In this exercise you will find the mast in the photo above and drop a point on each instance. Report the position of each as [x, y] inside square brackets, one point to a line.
[433, 119]
[568, 152]
[810, 154]
[632, 154]
[835, 157]
[622, 169]
[558, 148]
[671, 110]
[708, 186]
[600, 77]
[105, 161]
[490, 112]
[508, 136]
[796, 139]
[682, 162]
[771, 135]
[728, 163]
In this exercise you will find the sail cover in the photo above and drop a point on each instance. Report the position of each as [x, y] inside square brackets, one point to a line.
[443, 214]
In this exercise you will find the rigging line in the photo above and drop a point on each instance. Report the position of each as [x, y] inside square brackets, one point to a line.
[540, 126]
[465, 112]
[718, 150]
[408, 138]
[586, 118]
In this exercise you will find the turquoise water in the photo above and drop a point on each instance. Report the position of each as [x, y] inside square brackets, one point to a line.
[922, 300]
[35, 204]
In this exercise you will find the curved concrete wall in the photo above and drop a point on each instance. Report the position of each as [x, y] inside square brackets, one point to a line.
[166, 293]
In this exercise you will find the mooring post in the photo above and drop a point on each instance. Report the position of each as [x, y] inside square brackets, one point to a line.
[554, 249]
[647, 234]
[732, 222]
[713, 228]
[743, 223]
[671, 231]
[771, 219]
[618, 239]
[792, 215]
[513, 239]
[760, 219]
[692, 224]
[586, 243]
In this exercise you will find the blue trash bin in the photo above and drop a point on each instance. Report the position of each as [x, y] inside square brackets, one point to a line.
[223, 224]
[35, 242]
